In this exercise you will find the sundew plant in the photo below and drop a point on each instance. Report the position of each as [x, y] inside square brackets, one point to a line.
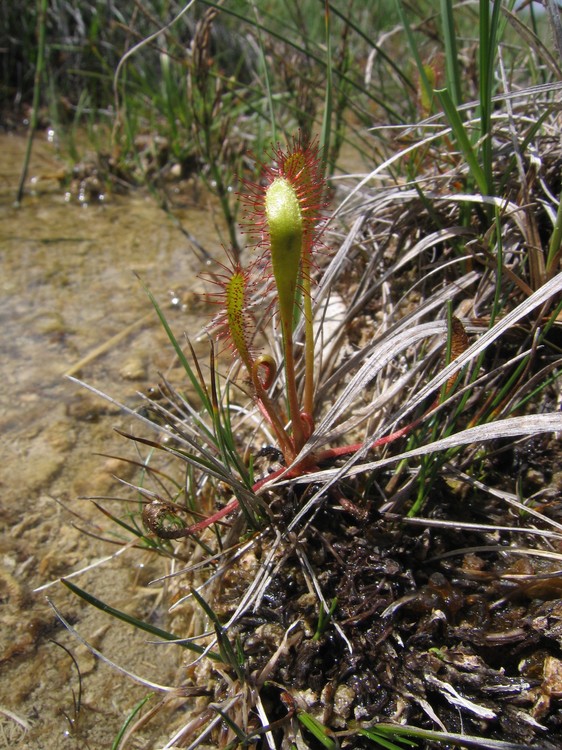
[270, 473]
[283, 216]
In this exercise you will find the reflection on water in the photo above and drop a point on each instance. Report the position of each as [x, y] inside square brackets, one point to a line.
[69, 294]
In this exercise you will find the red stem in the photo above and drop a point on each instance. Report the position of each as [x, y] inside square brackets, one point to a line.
[301, 469]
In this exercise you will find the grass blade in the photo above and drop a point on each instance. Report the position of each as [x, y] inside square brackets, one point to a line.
[327, 117]
[202, 395]
[135, 622]
[463, 141]
[451, 55]
[424, 80]
[384, 738]
[317, 729]
[463, 740]
[487, 54]
[227, 652]
[128, 721]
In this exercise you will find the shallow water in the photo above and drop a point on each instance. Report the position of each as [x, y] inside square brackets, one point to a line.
[70, 301]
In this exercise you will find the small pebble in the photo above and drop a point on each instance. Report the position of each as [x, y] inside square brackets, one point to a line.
[134, 368]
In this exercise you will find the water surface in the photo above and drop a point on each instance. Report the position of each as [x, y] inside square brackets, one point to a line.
[70, 301]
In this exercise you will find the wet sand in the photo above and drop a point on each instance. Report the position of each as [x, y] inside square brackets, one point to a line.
[69, 294]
